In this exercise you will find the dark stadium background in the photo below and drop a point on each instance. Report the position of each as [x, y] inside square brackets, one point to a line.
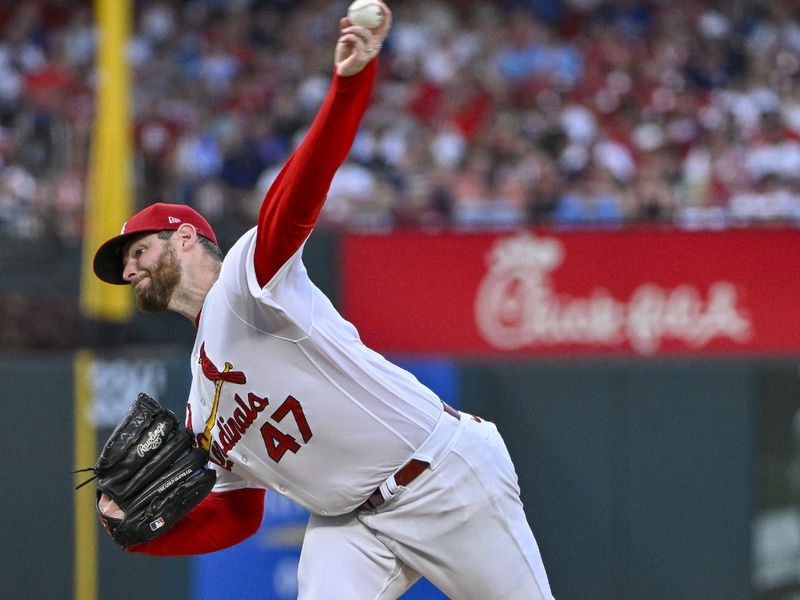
[666, 475]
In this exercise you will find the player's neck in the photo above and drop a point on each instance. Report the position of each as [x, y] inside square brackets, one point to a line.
[187, 302]
[189, 296]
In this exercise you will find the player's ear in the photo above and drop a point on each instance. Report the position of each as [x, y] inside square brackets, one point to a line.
[186, 235]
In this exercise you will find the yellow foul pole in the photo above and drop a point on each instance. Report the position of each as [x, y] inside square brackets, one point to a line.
[110, 182]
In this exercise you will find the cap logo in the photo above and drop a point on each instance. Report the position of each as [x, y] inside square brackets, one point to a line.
[124, 225]
[173, 219]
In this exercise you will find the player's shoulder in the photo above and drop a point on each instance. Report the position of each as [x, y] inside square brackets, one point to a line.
[242, 247]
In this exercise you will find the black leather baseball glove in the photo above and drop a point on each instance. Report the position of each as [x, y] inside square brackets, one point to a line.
[152, 470]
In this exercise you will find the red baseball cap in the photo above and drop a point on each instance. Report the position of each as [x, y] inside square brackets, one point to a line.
[156, 217]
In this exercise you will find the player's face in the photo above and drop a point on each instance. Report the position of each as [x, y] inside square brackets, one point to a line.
[154, 293]
[153, 270]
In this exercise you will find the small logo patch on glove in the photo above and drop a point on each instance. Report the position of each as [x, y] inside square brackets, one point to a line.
[157, 524]
[153, 441]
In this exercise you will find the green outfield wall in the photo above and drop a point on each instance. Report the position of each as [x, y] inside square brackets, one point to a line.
[637, 478]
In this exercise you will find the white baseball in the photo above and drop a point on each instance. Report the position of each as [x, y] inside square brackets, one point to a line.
[365, 13]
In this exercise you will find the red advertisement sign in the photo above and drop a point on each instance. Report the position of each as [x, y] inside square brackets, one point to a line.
[637, 292]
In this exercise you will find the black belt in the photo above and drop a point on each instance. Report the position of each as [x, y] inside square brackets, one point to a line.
[408, 472]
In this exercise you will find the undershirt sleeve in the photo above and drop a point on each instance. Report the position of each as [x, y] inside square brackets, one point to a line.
[294, 200]
[221, 520]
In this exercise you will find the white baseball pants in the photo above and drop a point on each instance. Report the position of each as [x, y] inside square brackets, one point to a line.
[460, 524]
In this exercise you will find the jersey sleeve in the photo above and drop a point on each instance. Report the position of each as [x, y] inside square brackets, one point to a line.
[283, 307]
[221, 520]
[294, 200]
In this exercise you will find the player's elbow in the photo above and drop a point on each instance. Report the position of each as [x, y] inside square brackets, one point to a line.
[247, 507]
[253, 517]
[236, 515]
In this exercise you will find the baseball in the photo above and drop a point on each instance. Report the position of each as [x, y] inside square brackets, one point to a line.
[365, 13]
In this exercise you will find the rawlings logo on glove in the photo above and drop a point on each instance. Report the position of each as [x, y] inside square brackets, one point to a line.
[154, 439]
[151, 469]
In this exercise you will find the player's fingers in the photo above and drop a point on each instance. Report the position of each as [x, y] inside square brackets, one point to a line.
[362, 32]
[383, 28]
[110, 508]
[351, 40]
[365, 36]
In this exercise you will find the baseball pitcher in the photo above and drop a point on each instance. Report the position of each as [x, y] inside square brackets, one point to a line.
[286, 397]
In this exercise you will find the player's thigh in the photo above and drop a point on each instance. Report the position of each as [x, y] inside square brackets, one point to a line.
[342, 558]
[464, 527]
[509, 564]
[498, 523]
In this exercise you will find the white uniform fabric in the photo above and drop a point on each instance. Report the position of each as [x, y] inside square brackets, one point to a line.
[460, 524]
[304, 408]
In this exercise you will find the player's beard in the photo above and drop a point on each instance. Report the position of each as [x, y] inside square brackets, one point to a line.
[154, 296]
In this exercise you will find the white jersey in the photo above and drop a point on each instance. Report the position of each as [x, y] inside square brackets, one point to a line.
[300, 404]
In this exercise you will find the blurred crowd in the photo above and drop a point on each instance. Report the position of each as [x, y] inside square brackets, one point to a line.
[486, 114]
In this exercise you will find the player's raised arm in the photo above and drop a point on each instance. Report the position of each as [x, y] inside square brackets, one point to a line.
[293, 202]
